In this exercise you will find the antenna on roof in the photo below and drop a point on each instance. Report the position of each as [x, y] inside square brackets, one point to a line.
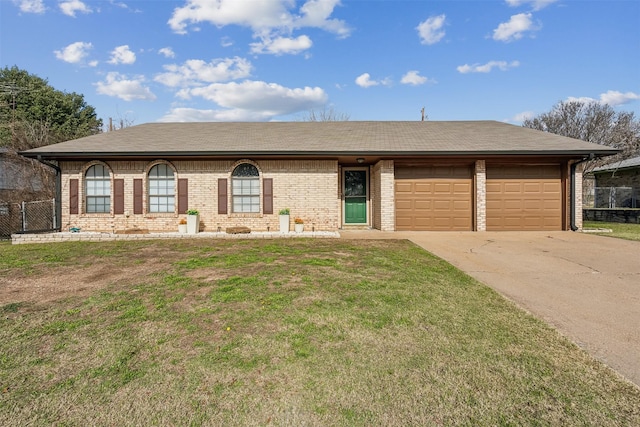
[423, 116]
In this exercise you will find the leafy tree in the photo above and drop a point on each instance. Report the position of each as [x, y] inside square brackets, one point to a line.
[592, 122]
[33, 113]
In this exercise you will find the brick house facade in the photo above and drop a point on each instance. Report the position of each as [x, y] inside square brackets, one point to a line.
[472, 176]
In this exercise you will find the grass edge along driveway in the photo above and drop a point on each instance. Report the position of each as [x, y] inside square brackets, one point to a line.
[620, 230]
[291, 332]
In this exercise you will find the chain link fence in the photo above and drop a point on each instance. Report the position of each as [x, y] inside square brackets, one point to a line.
[614, 198]
[27, 217]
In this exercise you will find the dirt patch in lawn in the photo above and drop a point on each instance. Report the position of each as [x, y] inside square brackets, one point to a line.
[47, 283]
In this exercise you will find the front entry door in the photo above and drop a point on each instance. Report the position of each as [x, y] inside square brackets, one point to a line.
[355, 196]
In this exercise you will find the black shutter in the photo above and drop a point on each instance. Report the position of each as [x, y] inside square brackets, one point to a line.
[73, 196]
[267, 195]
[183, 195]
[137, 196]
[118, 196]
[222, 196]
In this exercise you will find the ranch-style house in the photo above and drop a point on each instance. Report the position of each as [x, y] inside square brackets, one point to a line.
[456, 175]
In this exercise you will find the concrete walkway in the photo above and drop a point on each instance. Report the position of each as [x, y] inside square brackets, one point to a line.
[586, 286]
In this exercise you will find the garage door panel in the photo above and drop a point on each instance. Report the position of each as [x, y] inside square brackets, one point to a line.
[552, 187]
[403, 204]
[440, 198]
[423, 205]
[461, 206]
[421, 222]
[442, 205]
[404, 187]
[535, 188]
[421, 187]
[461, 187]
[524, 198]
[512, 188]
[443, 188]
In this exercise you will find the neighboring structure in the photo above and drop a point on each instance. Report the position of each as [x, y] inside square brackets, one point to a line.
[478, 176]
[617, 185]
[21, 180]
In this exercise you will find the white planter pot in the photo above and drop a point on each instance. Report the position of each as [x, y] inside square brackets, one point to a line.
[193, 224]
[182, 228]
[299, 228]
[284, 223]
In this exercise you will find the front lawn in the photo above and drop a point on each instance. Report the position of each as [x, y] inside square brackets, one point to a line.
[280, 332]
[620, 230]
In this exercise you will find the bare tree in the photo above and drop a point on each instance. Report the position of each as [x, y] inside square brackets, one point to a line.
[325, 115]
[592, 122]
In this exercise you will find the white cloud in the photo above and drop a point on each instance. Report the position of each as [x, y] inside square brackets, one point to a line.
[364, 80]
[413, 78]
[521, 117]
[272, 21]
[122, 55]
[266, 98]
[611, 97]
[431, 31]
[515, 28]
[488, 67]
[70, 7]
[197, 71]
[74, 53]
[316, 13]
[584, 99]
[118, 85]
[167, 52]
[282, 45]
[258, 15]
[195, 115]
[247, 101]
[30, 6]
[535, 4]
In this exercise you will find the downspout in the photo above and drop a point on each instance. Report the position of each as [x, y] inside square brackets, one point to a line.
[572, 196]
[57, 226]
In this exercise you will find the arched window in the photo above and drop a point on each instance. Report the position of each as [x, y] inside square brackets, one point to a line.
[245, 189]
[161, 189]
[97, 189]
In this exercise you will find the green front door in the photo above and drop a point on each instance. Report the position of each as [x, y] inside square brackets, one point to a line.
[355, 197]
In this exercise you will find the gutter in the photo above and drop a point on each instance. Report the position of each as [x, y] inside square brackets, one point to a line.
[306, 153]
[572, 196]
[58, 219]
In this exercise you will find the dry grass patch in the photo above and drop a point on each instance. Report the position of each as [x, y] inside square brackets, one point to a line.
[295, 332]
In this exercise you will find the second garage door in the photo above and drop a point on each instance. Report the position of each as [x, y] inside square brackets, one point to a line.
[434, 198]
[524, 198]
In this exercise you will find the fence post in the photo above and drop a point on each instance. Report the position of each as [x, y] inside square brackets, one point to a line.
[54, 223]
[24, 216]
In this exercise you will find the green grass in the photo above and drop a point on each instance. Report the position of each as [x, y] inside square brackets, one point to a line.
[619, 230]
[291, 332]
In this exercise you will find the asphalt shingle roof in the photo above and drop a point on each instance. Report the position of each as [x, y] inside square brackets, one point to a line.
[320, 138]
[622, 164]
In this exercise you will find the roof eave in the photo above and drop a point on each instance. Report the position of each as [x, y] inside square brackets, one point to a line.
[289, 154]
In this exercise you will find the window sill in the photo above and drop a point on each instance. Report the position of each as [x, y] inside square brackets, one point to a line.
[246, 215]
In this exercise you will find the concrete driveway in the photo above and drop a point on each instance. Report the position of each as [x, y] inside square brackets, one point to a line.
[586, 286]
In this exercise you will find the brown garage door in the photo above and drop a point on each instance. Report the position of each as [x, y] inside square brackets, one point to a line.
[434, 198]
[524, 198]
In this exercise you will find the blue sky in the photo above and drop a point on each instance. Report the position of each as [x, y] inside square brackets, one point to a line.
[262, 60]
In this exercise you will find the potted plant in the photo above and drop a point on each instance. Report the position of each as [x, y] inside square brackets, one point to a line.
[284, 220]
[182, 226]
[298, 225]
[193, 221]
